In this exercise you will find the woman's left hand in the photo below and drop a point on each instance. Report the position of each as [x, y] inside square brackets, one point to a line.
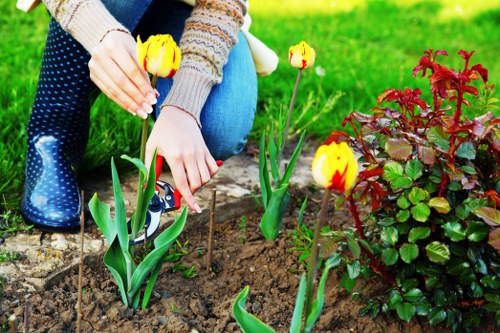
[177, 138]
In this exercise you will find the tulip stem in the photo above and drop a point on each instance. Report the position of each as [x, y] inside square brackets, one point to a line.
[284, 137]
[313, 257]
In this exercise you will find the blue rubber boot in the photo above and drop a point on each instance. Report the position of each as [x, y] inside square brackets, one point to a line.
[57, 134]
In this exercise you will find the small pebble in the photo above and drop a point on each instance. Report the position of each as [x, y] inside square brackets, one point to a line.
[252, 269]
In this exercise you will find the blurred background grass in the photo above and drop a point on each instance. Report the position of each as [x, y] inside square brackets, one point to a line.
[363, 47]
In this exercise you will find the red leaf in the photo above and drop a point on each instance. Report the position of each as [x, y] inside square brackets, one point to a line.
[494, 239]
[483, 72]
[398, 149]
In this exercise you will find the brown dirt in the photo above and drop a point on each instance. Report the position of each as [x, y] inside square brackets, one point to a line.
[204, 303]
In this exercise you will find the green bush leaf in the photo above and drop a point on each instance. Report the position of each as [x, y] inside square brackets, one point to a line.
[440, 204]
[402, 182]
[413, 295]
[405, 311]
[494, 239]
[491, 281]
[476, 231]
[468, 169]
[389, 236]
[437, 252]
[247, 322]
[408, 252]
[398, 148]
[402, 202]
[436, 316]
[454, 231]
[353, 269]
[392, 171]
[414, 169]
[418, 233]
[403, 215]
[354, 247]
[437, 136]
[466, 150]
[490, 216]
[390, 256]
[395, 298]
[421, 212]
[417, 194]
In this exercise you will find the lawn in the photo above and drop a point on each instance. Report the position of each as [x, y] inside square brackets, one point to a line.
[362, 49]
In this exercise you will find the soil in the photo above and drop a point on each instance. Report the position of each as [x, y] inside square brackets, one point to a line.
[204, 304]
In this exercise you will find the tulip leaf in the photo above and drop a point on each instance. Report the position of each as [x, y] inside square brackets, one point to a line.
[318, 303]
[265, 184]
[418, 233]
[149, 191]
[296, 323]
[398, 148]
[273, 156]
[117, 265]
[408, 252]
[138, 163]
[271, 221]
[293, 160]
[414, 169]
[151, 283]
[440, 204]
[454, 231]
[102, 217]
[438, 252]
[247, 322]
[392, 171]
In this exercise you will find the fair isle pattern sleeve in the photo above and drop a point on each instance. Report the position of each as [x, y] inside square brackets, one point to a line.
[87, 21]
[209, 34]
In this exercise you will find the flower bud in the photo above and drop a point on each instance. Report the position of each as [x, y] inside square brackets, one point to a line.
[301, 55]
[159, 55]
[335, 167]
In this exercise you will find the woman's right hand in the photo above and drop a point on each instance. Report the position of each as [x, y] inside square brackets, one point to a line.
[114, 69]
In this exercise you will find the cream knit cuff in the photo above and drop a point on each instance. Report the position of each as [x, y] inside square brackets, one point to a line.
[189, 92]
[90, 22]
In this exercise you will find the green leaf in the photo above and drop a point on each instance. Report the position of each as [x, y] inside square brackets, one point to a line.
[417, 194]
[414, 169]
[408, 252]
[436, 316]
[420, 212]
[437, 136]
[149, 191]
[440, 204]
[402, 202]
[271, 221]
[354, 247]
[398, 148]
[138, 163]
[468, 169]
[490, 216]
[418, 233]
[318, 303]
[390, 256]
[402, 182]
[120, 213]
[466, 150]
[439, 297]
[476, 231]
[405, 311]
[265, 184]
[273, 153]
[296, 323]
[413, 295]
[302, 210]
[392, 171]
[117, 265]
[403, 215]
[293, 160]
[102, 217]
[432, 282]
[454, 186]
[151, 283]
[389, 236]
[395, 298]
[247, 322]
[347, 283]
[491, 281]
[353, 269]
[437, 252]
[494, 239]
[454, 231]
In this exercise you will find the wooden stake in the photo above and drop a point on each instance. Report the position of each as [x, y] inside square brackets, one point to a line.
[211, 232]
[26, 314]
[13, 323]
[80, 272]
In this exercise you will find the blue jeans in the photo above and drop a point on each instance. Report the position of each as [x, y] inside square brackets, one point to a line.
[228, 114]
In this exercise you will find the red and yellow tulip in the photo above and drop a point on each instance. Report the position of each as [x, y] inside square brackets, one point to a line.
[334, 167]
[159, 55]
[301, 55]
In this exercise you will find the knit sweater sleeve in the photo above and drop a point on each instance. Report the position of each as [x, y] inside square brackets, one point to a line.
[87, 21]
[210, 33]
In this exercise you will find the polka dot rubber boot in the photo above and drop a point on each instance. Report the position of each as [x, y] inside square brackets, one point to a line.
[57, 134]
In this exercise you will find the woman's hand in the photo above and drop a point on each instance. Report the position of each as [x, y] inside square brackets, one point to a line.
[114, 69]
[177, 137]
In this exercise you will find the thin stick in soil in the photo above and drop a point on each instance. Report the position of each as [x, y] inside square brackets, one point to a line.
[211, 232]
[13, 323]
[26, 314]
[80, 272]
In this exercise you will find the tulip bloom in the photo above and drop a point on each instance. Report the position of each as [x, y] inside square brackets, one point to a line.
[301, 55]
[334, 167]
[159, 55]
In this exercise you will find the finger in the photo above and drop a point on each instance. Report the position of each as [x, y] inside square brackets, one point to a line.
[204, 172]
[193, 175]
[212, 165]
[138, 76]
[179, 174]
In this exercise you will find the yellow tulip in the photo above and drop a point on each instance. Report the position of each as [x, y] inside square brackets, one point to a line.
[159, 55]
[301, 55]
[335, 167]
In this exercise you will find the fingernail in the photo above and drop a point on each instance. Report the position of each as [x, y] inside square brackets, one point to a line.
[147, 108]
[151, 98]
[142, 114]
[197, 208]
[157, 93]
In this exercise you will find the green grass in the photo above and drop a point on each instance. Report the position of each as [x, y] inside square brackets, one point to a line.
[363, 46]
